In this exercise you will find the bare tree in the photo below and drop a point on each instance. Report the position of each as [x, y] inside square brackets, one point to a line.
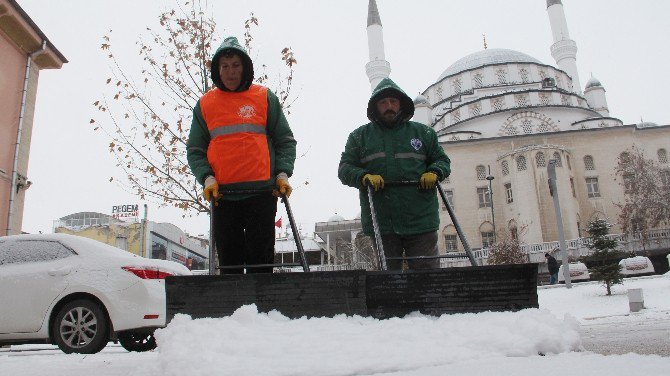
[507, 249]
[646, 191]
[148, 113]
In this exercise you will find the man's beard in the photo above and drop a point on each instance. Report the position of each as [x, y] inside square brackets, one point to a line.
[389, 116]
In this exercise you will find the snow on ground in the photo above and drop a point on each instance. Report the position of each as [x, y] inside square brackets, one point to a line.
[252, 343]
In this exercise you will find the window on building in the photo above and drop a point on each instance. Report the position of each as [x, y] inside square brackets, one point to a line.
[565, 100]
[508, 192]
[484, 197]
[450, 198]
[505, 168]
[588, 163]
[478, 80]
[543, 128]
[487, 239]
[502, 76]
[662, 156]
[523, 73]
[521, 100]
[540, 160]
[527, 126]
[514, 232]
[567, 161]
[545, 99]
[498, 104]
[628, 182]
[557, 158]
[457, 84]
[481, 172]
[521, 163]
[451, 243]
[624, 158]
[592, 188]
[475, 109]
[572, 186]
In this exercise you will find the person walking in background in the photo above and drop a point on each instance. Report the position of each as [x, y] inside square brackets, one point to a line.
[240, 140]
[552, 264]
[392, 148]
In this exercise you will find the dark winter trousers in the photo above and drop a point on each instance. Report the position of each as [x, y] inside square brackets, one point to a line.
[414, 245]
[244, 233]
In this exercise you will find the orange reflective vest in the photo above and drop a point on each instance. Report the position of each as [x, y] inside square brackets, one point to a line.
[238, 150]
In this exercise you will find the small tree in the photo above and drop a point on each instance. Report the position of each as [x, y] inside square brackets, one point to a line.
[646, 191]
[507, 250]
[604, 261]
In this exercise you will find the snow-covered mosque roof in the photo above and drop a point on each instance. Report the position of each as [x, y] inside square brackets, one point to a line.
[336, 218]
[646, 124]
[487, 57]
[420, 99]
[593, 82]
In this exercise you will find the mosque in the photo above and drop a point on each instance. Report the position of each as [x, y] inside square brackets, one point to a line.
[501, 116]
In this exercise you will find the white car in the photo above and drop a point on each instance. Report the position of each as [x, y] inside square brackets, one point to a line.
[79, 293]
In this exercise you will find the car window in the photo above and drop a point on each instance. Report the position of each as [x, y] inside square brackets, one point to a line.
[24, 251]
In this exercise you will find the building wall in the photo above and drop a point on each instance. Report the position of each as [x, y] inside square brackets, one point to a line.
[110, 234]
[19, 39]
[532, 208]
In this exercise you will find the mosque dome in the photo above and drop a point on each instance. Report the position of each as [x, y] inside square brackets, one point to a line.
[487, 57]
[421, 100]
[336, 218]
[593, 82]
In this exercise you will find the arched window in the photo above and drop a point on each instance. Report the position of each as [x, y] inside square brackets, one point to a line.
[557, 157]
[481, 172]
[662, 156]
[523, 73]
[567, 160]
[505, 168]
[540, 161]
[502, 76]
[527, 126]
[588, 163]
[478, 80]
[521, 163]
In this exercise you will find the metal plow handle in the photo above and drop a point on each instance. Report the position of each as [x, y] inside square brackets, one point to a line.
[296, 235]
[378, 237]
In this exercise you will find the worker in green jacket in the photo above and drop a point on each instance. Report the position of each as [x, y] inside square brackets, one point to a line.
[240, 141]
[393, 148]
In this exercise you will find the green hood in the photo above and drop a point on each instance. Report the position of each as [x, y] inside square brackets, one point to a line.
[388, 88]
[231, 43]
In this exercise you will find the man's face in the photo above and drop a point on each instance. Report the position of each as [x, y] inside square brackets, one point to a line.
[231, 70]
[388, 108]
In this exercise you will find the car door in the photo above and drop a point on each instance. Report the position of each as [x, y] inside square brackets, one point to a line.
[32, 274]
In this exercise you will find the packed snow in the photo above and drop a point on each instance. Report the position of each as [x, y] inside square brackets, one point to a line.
[489, 343]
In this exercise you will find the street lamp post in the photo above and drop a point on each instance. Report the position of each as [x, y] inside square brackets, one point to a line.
[493, 216]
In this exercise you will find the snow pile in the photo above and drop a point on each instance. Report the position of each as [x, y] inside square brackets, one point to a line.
[252, 343]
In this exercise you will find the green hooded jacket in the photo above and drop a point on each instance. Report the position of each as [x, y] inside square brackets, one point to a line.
[281, 143]
[398, 152]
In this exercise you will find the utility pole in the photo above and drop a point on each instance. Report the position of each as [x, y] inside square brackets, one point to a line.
[551, 170]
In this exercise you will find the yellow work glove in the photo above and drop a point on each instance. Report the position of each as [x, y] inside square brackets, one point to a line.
[283, 187]
[211, 189]
[428, 180]
[376, 181]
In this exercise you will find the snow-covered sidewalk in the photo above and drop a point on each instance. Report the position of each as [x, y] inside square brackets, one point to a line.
[252, 343]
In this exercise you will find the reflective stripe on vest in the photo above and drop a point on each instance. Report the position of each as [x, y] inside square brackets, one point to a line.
[238, 150]
[374, 156]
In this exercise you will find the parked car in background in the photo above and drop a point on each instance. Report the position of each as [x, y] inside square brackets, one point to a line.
[636, 266]
[79, 293]
[578, 272]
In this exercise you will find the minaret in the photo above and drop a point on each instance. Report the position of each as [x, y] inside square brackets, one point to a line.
[564, 49]
[378, 68]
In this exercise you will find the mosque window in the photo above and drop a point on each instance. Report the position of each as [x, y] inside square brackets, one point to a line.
[540, 160]
[557, 158]
[451, 243]
[662, 155]
[572, 186]
[439, 93]
[602, 124]
[511, 130]
[527, 126]
[454, 138]
[475, 109]
[565, 100]
[477, 80]
[559, 81]
[521, 163]
[502, 76]
[588, 163]
[542, 73]
[628, 182]
[456, 116]
[481, 172]
[487, 239]
[545, 99]
[484, 197]
[457, 84]
[450, 198]
[567, 161]
[592, 188]
[498, 104]
[521, 100]
[543, 127]
[505, 168]
[508, 193]
[523, 73]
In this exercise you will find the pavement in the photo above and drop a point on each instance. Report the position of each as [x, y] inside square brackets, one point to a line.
[651, 336]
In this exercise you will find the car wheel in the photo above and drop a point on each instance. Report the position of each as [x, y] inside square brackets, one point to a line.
[81, 327]
[135, 341]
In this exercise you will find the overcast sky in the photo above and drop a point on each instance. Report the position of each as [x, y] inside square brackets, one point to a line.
[622, 43]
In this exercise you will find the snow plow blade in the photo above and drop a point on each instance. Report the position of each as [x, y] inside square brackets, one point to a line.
[379, 294]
